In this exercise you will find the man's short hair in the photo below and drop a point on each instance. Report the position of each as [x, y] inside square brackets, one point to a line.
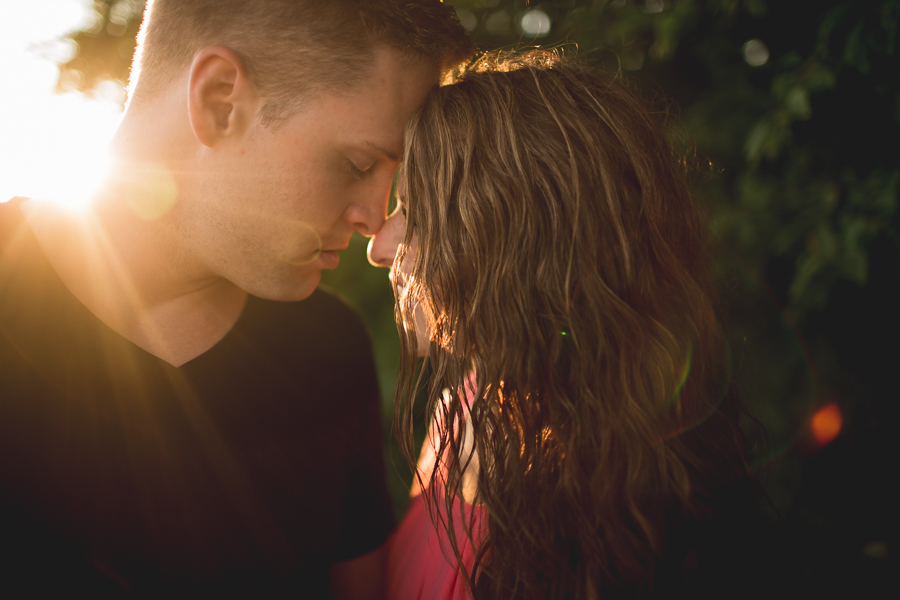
[293, 49]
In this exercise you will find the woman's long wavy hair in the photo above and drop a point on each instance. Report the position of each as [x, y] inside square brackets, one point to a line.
[562, 261]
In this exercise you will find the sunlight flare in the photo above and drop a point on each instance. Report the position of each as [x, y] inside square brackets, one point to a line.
[156, 192]
[53, 146]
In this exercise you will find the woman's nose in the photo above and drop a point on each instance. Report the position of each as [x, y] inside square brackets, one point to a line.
[383, 245]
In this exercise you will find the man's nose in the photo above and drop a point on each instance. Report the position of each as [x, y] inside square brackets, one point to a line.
[366, 214]
[383, 245]
[365, 218]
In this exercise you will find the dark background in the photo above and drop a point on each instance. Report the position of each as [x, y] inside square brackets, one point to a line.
[787, 114]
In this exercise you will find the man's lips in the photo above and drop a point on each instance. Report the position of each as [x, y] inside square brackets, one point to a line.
[330, 259]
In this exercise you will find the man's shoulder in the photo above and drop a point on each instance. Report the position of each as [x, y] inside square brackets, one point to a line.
[12, 201]
[21, 259]
[11, 218]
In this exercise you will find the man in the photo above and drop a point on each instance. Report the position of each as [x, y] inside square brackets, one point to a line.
[169, 426]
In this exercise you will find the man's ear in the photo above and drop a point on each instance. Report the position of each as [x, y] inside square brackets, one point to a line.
[222, 100]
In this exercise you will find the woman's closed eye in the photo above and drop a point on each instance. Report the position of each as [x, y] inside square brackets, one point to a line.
[400, 206]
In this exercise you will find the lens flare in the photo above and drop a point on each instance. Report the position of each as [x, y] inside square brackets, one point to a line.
[156, 193]
[684, 372]
[826, 424]
[306, 244]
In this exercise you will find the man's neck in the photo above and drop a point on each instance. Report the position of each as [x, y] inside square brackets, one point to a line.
[132, 276]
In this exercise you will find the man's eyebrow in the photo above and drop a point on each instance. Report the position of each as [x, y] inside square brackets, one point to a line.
[389, 153]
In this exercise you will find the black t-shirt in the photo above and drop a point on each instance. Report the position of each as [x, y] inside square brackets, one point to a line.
[243, 473]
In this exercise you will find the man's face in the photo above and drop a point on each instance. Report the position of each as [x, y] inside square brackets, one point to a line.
[282, 202]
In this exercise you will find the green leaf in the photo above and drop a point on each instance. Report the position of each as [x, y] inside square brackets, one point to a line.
[825, 242]
[854, 50]
[818, 77]
[796, 102]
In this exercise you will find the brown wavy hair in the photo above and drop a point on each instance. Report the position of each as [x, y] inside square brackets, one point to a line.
[562, 261]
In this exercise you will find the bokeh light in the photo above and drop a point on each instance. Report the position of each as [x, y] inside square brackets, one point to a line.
[535, 23]
[468, 20]
[654, 6]
[498, 23]
[826, 423]
[875, 549]
[756, 53]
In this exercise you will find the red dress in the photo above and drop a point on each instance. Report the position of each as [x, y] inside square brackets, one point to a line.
[420, 563]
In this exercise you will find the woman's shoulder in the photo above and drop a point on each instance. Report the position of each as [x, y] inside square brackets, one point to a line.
[429, 468]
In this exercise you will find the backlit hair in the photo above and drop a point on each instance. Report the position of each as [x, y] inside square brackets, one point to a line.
[293, 49]
[561, 259]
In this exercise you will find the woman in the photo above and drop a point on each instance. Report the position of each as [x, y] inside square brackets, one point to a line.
[550, 265]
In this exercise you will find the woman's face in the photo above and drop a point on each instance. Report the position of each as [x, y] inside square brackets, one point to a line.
[382, 251]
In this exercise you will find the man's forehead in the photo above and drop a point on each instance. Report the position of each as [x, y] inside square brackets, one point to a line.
[372, 114]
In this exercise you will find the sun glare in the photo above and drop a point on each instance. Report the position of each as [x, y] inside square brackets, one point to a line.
[72, 162]
[51, 146]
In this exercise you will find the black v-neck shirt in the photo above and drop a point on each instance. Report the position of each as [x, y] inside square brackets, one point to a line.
[243, 473]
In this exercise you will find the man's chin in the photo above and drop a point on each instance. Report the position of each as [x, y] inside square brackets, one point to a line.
[287, 290]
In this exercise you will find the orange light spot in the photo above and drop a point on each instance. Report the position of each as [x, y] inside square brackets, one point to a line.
[826, 423]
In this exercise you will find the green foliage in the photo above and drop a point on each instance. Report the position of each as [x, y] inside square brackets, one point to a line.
[812, 199]
[104, 49]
